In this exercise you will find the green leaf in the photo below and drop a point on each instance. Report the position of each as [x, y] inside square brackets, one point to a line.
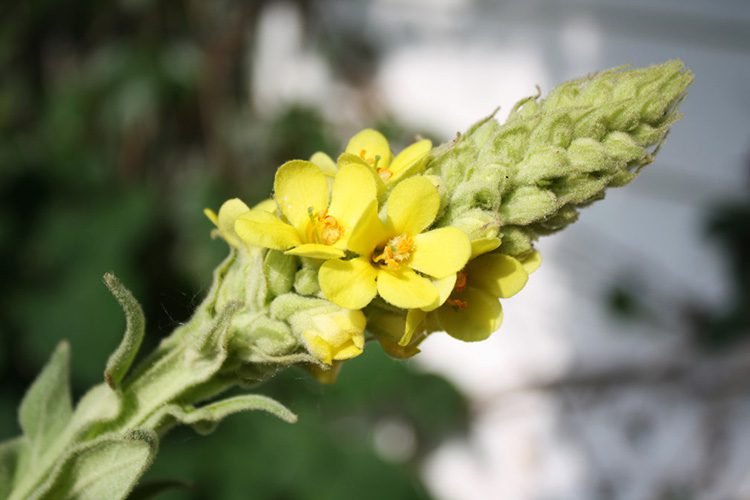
[120, 360]
[205, 419]
[107, 468]
[9, 455]
[46, 408]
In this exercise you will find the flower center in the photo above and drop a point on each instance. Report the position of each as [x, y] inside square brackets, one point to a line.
[397, 251]
[323, 228]
[384, 172]
[458, 288]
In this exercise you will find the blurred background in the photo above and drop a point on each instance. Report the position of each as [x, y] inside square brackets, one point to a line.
[621, 371]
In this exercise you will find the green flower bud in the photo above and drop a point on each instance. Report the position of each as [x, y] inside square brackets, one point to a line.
[478, 224]
[279, 269]
[555, 155]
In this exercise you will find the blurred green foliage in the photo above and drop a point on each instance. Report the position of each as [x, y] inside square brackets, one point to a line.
[119, 122]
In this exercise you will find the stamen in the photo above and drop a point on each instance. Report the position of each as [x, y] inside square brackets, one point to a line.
[458, 289]
[323, 228]
[396, 252]
[461, 278]
[457, 303]
[385, 174]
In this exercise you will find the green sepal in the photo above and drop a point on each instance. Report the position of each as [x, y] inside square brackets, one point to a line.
[279, 269]
[120, 360]
[205, 419]
[107, 467]
[46, 408]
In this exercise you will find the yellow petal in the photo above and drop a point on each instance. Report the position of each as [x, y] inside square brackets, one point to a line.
[347, 352]
[412, 205]
[497, 274]
[268, 205]
[318, 346]
[440, 252]
[300, 187]
[371, 146]
[410, 160]
[264, 229]
[368, 232]
[324, 162]
[482, 316]
[316, 251]
[228, 213]
[347, 158]
[348, 283]
[532, 262]
[414, 319]
[406, 289]
[211, 216]
[444, 287]
[483, 245]
[353, 191]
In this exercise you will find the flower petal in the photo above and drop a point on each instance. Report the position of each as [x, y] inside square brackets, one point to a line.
[406, 289]
[370, 144]
[299, 187]
[264, 229]
[440, 252]
[412, 205]
[347, 352]
[414, 319]
[316, 251]
[483, 245]
[532, 262]
[497, 274]
[482, 316]
[211, 216]
[318, 346]
[228, 213]
[348, 283]
[268, 205]
[368, 232]
[353, 190]
[410, 160]
[324, 162]
[444, 287]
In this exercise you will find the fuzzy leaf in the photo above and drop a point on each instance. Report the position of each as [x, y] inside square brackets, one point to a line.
[120, 360]
[107, 468]
[10, 452]
[46, 408]
[205, 419]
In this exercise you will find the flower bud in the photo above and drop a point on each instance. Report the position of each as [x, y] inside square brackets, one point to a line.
[329, 332]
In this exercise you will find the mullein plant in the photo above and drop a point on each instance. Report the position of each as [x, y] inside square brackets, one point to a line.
[371, 246]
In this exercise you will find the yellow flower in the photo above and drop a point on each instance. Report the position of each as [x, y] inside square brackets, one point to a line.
[472, 311]
[228, 213]
[371, 147]
[331, 335]
[315, 227]
[391, 254]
